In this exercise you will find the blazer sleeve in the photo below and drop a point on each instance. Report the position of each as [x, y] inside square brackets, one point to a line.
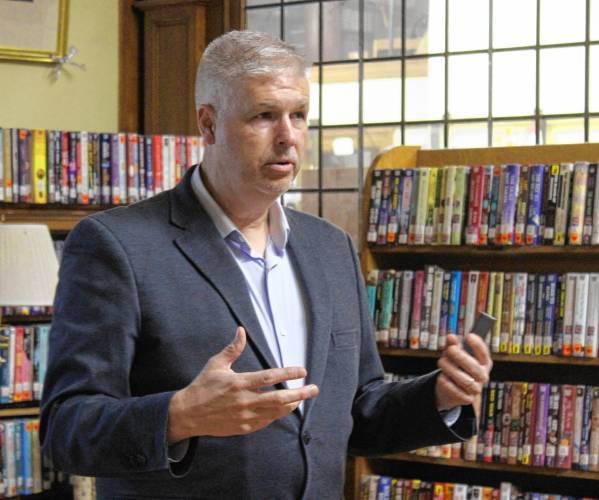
[90, 422]
[400, 416]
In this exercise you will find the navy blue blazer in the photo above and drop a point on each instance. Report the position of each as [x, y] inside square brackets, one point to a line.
[146, 295]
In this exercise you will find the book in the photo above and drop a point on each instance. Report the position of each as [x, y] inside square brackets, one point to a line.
[577, 202]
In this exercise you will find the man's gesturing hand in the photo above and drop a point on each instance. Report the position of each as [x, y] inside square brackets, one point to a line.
[221, 402]
[462, 376]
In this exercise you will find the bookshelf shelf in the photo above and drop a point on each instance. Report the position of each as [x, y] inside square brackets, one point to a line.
[59, 218]
[26, 319]
[521, 469]
[497, 358]
[531, 259]
[23, 409]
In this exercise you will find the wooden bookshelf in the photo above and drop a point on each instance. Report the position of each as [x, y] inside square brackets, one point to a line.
[536, 259]
[517, 469]
[497, 358]
[59, 218]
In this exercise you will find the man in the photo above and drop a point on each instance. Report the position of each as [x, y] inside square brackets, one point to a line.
[144, 388]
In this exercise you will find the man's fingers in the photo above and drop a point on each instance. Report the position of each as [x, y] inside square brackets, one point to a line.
[459, 377]
[480, 349]
[272, 376]
[285, 397]
[229, 354]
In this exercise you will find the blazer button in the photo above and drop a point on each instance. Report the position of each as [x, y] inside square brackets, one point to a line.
[306, 438]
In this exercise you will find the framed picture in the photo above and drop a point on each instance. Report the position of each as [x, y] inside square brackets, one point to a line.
[33, 30]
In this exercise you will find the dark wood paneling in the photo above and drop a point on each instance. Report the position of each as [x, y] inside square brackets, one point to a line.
[161, 42]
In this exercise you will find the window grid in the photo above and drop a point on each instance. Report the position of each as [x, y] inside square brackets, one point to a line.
[537, 117]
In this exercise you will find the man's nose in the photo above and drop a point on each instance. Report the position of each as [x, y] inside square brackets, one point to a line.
[286, 132]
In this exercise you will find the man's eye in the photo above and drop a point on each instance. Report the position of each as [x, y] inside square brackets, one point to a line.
[267, 115]
[300, 115]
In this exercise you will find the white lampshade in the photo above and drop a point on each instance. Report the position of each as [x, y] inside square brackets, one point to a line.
[28, 265]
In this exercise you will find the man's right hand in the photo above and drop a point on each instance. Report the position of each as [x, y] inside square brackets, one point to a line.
[221, 402]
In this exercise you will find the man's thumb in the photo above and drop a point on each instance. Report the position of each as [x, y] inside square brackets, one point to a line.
[229, 354]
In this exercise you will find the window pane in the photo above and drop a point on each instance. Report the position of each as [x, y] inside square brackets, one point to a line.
[340, 94]
[425, 26]
[265, 20]
[514, 83]
[562, 131]
[468, 86]
[249, 3]
[301, 29]
[382, 28]
[594, 19]
[562, 80]
[468, 25]
[562, 22]
[340, 158]
[313, 114]
[426, 136]
[378, 139]
[511, 30]
[340, 38]
[308, 175]
[425, 88]
[594, 79]
[305, 202]
[382, 92]
[343, 210]
[468, 135]
[514, 133]
[594, 130]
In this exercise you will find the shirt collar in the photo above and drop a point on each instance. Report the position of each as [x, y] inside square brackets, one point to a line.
[277, 220]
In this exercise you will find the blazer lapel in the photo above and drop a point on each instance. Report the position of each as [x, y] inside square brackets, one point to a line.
[311, 272]
[202, 244]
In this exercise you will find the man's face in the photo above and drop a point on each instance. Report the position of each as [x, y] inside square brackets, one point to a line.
[260, 137]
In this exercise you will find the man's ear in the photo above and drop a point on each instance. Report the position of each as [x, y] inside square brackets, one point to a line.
[207, 123]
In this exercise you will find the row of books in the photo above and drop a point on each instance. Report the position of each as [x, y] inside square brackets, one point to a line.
[533, 424]
[23, 362]
[553, 204]
[375, 487]
[53, 166]
[537, 314]
[24, 470]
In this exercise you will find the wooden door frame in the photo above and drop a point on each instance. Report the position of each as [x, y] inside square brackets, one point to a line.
[222, 16]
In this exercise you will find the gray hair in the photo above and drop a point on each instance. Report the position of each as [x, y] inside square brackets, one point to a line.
[238, 55]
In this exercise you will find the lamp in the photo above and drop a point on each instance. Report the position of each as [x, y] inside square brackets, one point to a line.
[28, 266]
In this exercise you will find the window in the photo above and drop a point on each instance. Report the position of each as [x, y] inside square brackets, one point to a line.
[437, 73]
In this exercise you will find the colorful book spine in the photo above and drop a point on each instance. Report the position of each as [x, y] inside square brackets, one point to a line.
[592, 337]
[407, 285]
[568, 322]
[444, 320]
[540, 434]
[579, 187]
[567, 410]
[594, 446]
[486, 205]
[562, 211]
[414, 335]
[435, 316]
[550, 202]
[577, 437]
[497, 311]
[533, 216]
[448, 201]
[407, 188]
[83, 169]
[553, 419]
[133, 168]
[429, 231]
[528, 344]
[521, 206]
[580, 314]
[510, 191]
[149, 164]
[587, 228]
[585, 437]
[595, 229]
[459, 202]
[105, 169]
[39, 177]
[393, 224]
[376, 188]
[549, 310]
[475, 205]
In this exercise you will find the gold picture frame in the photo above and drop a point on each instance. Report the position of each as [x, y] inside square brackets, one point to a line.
[33, 30]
